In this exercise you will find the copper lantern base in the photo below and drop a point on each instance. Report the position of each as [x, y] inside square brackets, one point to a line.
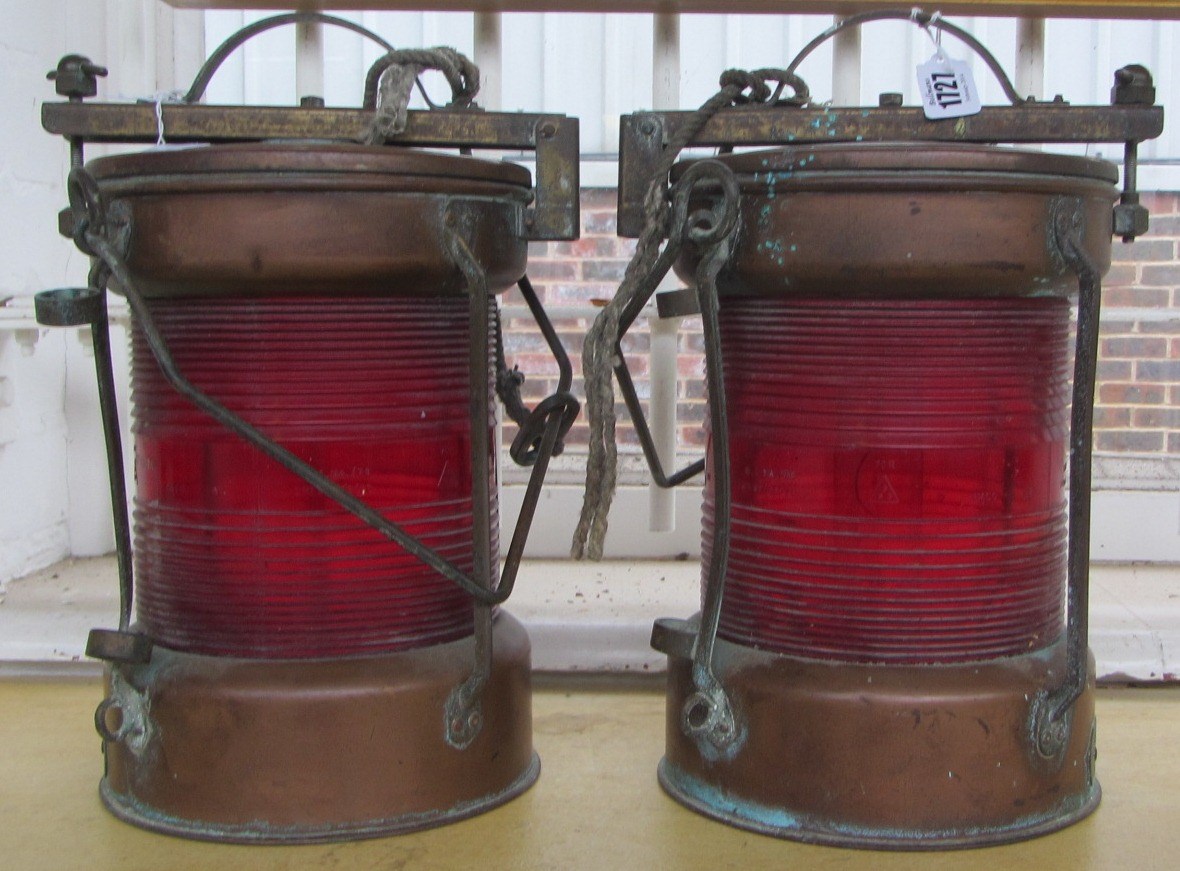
[268, 751]
[895, 757]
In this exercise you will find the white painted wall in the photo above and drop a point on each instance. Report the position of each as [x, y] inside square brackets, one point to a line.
[53, 486]
[33, 433]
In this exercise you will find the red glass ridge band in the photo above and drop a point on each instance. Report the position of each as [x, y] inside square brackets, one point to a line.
[234, 554]
[898, 477]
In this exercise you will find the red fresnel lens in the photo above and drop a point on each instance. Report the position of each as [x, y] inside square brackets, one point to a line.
[898, 477]
[895, 340]
[317, 652]
[236, 556]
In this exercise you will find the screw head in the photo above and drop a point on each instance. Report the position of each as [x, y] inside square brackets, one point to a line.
[76, 77]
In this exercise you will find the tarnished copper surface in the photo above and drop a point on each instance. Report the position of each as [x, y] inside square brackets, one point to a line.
[926, 755]
[910, 757]
[946, 220]
[253, 219]
[267, 751]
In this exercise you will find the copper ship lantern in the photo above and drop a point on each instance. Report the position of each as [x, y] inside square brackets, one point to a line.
[316, 651]
[892, 646]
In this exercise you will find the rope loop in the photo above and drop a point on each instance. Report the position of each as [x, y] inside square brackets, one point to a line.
[800, 93]
[391, 78]
[753, 87]
[743, 80]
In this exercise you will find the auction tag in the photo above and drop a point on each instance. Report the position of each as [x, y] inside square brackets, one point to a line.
[947, 88]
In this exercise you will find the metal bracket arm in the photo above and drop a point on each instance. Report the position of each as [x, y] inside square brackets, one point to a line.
[643, 135]
[554, 138]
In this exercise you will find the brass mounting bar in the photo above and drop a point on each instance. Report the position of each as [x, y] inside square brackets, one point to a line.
[552, 216]
[643, 135]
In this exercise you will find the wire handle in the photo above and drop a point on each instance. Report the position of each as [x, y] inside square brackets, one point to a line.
[1051, 711]
[219, 56]
[926, 21]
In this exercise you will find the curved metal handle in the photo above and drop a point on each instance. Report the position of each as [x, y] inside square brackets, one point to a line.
[923, 20]
[706, 227]
[76, 307]
[526, 446]
[235, 41]
[1051, 714]
[87, 203]
[707, 715]
[462, 713]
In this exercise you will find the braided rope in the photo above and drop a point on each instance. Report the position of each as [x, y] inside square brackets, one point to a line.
[598, 351]
[391, 79]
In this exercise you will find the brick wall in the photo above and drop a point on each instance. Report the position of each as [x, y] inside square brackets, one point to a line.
[1138, 399]
[1138, 402]
[573, 279]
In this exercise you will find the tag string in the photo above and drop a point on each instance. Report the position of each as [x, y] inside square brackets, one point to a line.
[159, 120]
[934, 33]
[158, 100]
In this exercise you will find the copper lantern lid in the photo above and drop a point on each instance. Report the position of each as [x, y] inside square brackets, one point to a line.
[915, 219]
[312, 218]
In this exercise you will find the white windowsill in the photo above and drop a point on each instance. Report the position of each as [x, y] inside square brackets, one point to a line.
[584, 617]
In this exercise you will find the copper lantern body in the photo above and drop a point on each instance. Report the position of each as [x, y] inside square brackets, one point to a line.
[895, 337]
[900, 326]
[301, 664]
[317, 650]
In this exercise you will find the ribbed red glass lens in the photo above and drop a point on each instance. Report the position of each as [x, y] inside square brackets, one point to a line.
[898, 477]
[237, 556]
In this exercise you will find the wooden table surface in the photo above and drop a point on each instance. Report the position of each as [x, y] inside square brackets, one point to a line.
[597, 805]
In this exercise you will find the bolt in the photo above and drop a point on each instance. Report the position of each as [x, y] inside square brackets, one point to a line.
[1130, 218]
[548, 130]
[648, 128]
[76, 77]
[1132, 86]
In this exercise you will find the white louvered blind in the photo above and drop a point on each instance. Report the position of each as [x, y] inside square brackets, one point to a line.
[599, 66]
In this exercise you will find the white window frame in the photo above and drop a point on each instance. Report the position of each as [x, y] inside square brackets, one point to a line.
[152, 48]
